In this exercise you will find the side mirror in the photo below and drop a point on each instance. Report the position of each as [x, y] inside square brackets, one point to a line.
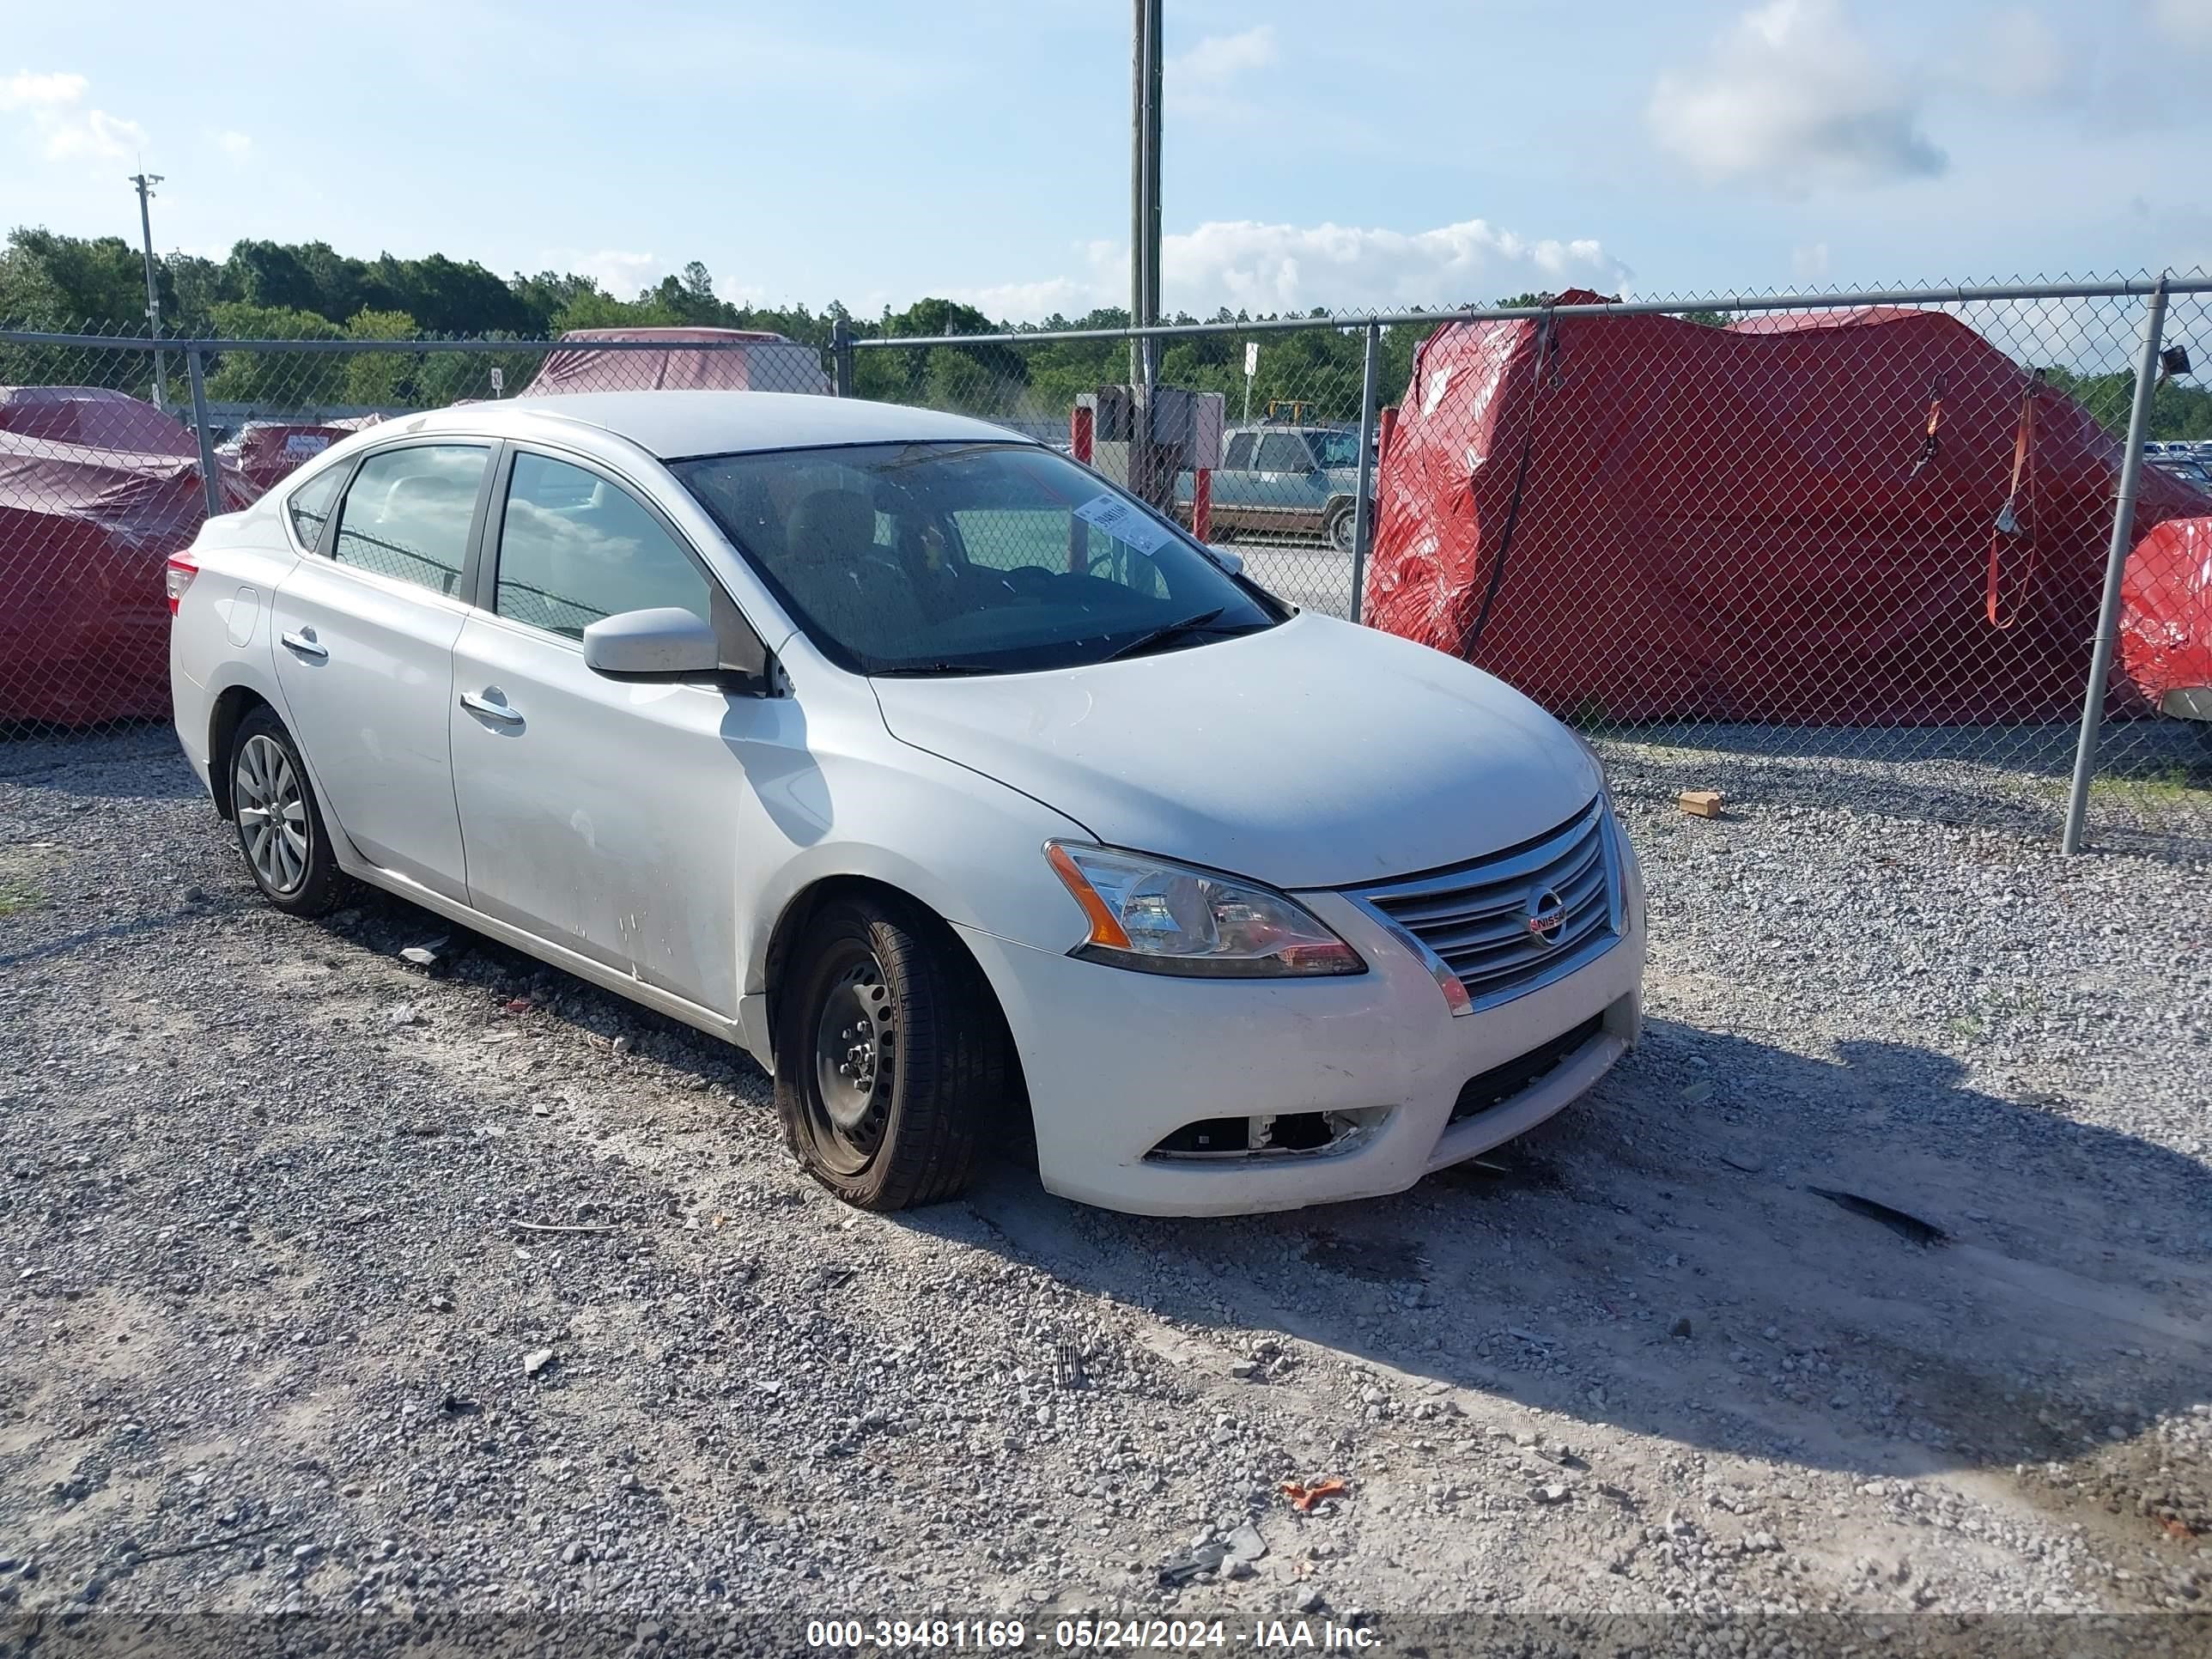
[665, 643]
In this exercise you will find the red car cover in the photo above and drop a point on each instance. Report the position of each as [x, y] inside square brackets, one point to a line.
[96, 490]
[748, 360]
[2165, 617]
[1870, 516]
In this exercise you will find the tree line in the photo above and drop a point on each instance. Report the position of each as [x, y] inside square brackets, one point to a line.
[266, 290]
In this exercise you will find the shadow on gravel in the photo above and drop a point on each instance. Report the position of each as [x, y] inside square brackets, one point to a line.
[1657, 1259]
[139, 760]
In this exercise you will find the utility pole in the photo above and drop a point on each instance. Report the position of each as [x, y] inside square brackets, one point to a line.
[1144, 89]
[146, 181]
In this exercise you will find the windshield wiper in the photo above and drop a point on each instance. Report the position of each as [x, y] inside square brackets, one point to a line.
[1144, 643]
[929, 670]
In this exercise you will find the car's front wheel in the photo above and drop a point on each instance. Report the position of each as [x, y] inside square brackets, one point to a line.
[889, 1055]
[280, 827]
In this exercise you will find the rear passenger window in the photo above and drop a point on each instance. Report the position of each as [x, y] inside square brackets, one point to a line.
[407, 513]
[575, 548]
[1284, 451]
[1240, 453]
[311, 503]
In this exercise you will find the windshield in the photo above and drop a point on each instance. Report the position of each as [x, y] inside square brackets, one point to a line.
[966, 558]
[1335, 448]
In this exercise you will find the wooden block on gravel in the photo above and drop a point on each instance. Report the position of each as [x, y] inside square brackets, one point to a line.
[1700, 802]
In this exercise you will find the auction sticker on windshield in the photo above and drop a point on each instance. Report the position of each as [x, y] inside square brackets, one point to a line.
[1125, 521]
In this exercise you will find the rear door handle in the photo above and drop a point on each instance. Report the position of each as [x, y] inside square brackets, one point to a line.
[490, 710]
[303, 642]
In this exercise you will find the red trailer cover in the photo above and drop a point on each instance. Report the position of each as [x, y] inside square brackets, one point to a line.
[85, 527]
[1751, 523]
[760, 361]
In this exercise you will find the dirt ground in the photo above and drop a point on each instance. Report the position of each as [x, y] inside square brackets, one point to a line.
[335, 1286]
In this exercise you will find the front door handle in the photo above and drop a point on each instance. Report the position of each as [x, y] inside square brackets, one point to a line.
[303, 642]
[490, 710]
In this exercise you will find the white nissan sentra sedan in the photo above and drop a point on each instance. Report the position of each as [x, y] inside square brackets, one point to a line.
[968, 794]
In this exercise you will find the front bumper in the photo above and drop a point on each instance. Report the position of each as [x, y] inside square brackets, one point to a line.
[1115, 1061]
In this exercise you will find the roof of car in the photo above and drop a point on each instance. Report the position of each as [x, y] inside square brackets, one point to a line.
[670, 424]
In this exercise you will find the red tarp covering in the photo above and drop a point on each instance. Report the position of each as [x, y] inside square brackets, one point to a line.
[2165, 616]
[766, 362]
[86, 523]
[1737, 524]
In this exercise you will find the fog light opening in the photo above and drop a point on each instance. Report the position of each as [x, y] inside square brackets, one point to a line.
[1269, 1135]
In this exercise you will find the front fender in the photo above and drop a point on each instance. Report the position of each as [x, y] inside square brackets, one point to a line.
[968, 846]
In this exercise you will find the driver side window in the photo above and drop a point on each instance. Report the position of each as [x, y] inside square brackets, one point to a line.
[574, 547]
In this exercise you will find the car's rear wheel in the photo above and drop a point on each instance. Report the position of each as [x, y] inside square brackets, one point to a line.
[891, 1055]
[280, 827]
[1340, 528]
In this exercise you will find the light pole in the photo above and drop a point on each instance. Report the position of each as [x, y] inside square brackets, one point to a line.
[146, 181]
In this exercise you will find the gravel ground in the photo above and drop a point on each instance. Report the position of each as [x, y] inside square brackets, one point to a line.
[277, 1336]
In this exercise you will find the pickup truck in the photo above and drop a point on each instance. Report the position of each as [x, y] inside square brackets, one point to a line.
[1298, 480]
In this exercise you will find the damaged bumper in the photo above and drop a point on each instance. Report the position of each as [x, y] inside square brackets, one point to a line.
[1180, 1096]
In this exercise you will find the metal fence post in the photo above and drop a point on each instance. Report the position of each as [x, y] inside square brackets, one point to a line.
[205, 429]
[840, 355]
[2116, 560]
[1362, 517]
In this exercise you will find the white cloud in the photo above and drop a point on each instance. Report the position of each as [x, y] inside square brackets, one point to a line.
[96, 136]
[1290, 267]
[621, 274]
[2017, 54]
[1791, 95]
[63, 131]
[1206, 81]
[1257, 268]
[1809, 261]
[238, 146]
[26, 90]
[2189, 22]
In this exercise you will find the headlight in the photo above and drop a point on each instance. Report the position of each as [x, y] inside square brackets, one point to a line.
[1160, 917]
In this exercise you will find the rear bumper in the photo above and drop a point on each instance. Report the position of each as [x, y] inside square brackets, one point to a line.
[1115, 1061]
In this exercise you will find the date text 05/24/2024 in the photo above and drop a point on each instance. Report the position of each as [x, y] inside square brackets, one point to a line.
[1092, 1635]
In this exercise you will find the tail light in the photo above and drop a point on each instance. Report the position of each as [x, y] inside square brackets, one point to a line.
[178, 575]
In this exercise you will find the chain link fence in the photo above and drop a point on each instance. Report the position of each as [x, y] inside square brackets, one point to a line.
[1840, 551]
[1849, 549]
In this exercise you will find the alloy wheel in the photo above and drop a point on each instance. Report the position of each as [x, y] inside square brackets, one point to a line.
[271, 810]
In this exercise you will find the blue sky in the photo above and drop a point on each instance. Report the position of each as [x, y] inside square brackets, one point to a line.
[1330, 154]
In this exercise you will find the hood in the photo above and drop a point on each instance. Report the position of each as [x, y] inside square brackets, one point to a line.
[1316, 754]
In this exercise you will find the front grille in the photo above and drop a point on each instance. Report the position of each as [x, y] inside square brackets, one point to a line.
[1475, 918]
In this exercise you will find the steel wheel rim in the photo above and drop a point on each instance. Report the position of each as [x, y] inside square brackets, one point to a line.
[1341, 533]
[272, 809]
[855, 1060]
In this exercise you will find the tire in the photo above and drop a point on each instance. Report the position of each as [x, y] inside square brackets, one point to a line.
[890, 1056]
[279, 823]
[1340, 529]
